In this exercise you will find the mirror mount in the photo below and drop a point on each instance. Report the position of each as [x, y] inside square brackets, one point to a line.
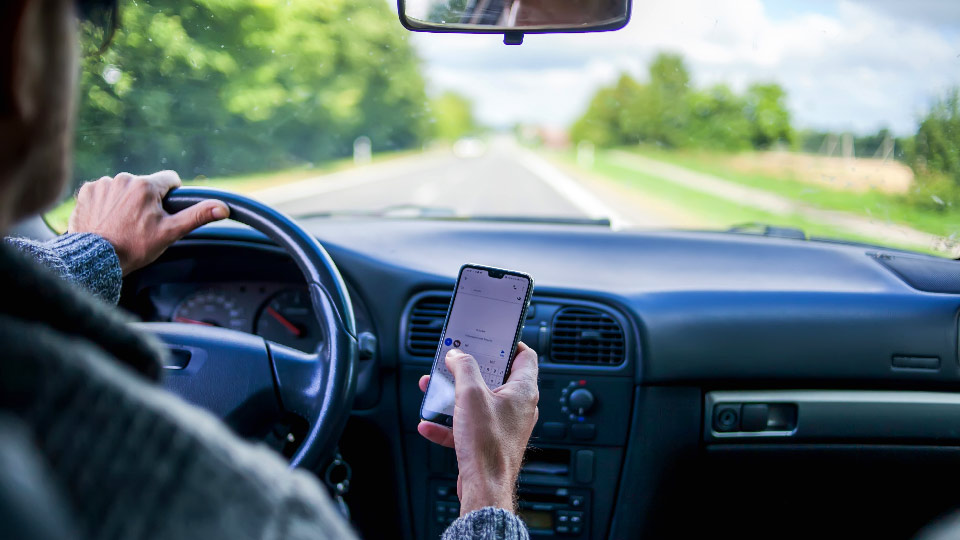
[513, 38]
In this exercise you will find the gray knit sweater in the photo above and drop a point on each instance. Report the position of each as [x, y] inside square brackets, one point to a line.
[92, 447]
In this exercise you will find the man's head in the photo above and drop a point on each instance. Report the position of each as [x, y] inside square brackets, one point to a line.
[37, 86]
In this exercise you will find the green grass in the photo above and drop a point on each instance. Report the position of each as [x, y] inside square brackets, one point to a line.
[872, 204]
[718, 213]
[58, 217]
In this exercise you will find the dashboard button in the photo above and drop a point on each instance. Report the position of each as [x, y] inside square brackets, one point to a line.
[584, 470]
[726, 418]
[554, 430]
[583, 432]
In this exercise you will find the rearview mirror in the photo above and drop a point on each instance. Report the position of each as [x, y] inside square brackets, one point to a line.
[513, 18]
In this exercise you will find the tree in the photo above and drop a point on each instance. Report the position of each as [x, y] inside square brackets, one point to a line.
[600, 124]
[452, 116]
[937, 147]
[767, 113]
[717, 120]
[667, 111]
[214, 87]
[657, 113]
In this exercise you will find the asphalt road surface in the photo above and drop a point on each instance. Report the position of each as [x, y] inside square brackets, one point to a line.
[503, 180]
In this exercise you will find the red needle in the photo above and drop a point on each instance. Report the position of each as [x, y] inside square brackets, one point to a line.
[191, 321]
[283, 320]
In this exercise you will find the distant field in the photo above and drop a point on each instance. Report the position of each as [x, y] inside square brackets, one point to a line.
[841, 174]
[786, 175]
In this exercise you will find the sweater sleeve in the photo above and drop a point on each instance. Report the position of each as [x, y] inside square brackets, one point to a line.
[487, 524]
[84, 259]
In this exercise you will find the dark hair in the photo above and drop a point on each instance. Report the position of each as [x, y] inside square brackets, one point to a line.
[104, 14]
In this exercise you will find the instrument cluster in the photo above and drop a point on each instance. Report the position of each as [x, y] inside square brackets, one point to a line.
[278, 312]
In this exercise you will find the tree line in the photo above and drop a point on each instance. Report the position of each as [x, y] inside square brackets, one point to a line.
[668, 112]
[215, 87]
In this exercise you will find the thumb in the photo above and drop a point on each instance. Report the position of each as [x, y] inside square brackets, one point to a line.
[466, 372]
[525, 368]
[188, 219]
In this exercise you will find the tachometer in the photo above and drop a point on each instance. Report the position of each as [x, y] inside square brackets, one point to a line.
[288, 319]
[212, 307]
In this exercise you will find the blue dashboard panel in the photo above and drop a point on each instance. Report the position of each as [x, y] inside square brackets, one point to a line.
[708, 306]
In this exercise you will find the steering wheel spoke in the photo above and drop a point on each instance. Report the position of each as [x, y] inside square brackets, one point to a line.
[224, 371]
[246, 380]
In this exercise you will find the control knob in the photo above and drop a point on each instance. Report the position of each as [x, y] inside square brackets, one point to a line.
[581, 400]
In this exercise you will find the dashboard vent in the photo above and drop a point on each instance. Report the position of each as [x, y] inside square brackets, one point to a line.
[425, 324]
[586, 336]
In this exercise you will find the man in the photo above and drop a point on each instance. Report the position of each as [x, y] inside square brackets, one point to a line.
[90, 446]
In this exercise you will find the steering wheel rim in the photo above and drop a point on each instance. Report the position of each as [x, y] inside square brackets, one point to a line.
[318, 387]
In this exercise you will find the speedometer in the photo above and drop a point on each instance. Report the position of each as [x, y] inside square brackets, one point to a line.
[212, 307]
[288, 319]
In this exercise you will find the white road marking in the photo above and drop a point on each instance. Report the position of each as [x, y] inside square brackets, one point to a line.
[568, 188]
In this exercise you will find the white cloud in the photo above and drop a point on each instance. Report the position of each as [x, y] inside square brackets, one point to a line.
[847, 65]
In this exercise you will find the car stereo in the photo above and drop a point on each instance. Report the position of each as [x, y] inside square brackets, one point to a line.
[547, 511]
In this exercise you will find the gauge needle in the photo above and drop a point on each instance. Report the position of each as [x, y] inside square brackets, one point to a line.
[191, 321]
[283, 320]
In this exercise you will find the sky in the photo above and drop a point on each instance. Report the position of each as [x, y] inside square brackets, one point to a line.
[847, 65]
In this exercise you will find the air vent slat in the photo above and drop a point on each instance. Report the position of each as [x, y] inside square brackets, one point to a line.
[425, 324]
[586, 336]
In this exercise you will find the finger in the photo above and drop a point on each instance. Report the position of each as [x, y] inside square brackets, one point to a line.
[164, 180]
[436, 433]
[525, 368]
[466, 372]
[188, 219]
[424, 381]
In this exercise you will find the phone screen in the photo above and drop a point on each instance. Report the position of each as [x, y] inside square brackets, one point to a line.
[484, 321]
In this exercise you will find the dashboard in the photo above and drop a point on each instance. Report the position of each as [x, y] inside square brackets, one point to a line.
[737, 378]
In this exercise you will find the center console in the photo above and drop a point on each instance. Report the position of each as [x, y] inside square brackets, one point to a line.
[569, 480]
[570, 474]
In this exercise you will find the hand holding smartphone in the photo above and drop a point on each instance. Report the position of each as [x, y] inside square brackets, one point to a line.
[484, 320]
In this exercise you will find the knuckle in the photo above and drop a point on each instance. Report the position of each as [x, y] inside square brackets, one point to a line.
[473, 392]
[123, 178]
[85, 190]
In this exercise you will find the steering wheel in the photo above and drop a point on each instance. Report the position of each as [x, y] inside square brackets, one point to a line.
[238, 376]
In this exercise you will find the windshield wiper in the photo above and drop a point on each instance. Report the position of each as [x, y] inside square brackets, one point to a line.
[393, 210]
[446, 213]
[765, 229]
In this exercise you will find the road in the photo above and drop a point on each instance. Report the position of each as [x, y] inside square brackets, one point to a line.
[504, 180]
[508, 180]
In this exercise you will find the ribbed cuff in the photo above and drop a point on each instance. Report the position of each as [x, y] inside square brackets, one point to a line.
[84, 259]
[91, 262]
[487, 524]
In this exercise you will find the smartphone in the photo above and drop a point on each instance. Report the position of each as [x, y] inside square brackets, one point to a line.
[484, 320]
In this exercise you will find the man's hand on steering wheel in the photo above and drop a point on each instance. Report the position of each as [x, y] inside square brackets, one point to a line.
[126, 210]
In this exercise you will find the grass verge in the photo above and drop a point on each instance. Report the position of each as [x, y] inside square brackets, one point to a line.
[872, 204]
[721, 214]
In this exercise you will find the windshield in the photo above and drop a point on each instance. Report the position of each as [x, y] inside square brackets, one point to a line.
[835, 119]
